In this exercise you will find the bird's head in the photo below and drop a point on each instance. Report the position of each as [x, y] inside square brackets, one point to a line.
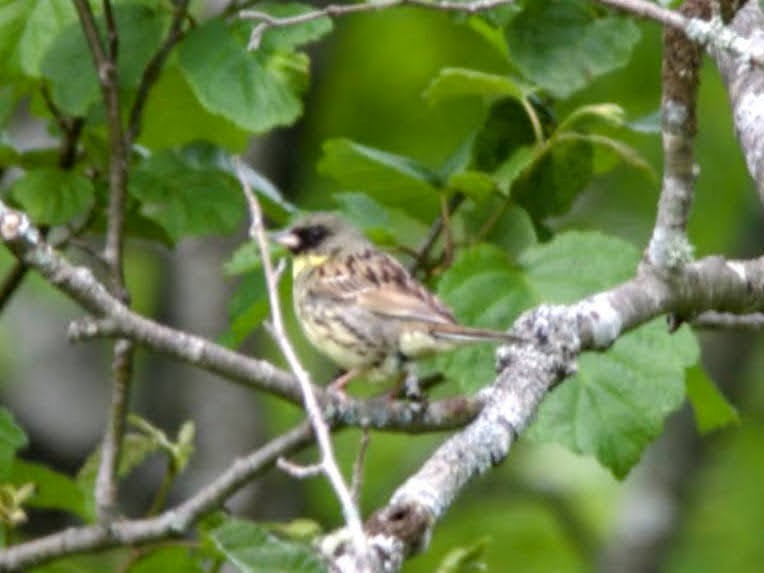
[319, 235]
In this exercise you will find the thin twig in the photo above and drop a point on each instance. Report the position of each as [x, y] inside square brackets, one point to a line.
[312, 408]
[423, 251]
[267, 21]
[172, 522]
[358, 465]
[703, 32]
[299, 471]
[112, 319]
[71, 130]
[728, 321]
[11, 282]
[111, 446]
[106, 62]
[152, 69]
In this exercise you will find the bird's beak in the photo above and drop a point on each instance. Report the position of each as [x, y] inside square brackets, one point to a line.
[286, 238]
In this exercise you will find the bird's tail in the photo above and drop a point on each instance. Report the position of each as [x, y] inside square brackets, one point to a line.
[463, 334]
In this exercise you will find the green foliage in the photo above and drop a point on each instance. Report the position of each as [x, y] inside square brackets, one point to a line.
[68, 65]
[54, 196]
[470, 288]
[11, 439]
[465, 559]
[166, 126]
[255, 90]
[711, 408]
[247, 309]
[12, 504]
[253, 550]
[617, 402]
[461, 82]
[85, 563]
[187, 192]
[175, 559]
[563, 45]
[52, 490]
[37, 22]
[389, 179]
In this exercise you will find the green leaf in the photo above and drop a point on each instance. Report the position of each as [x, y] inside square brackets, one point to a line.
[382, 224]
[294, 36]
[53, 490]
[168, 559]
[585, 121]
[53, 196]
[506, 130]
[609, 152]
[712, 410]
[136, 448]
[389, 179]
[171, 102]
[13, 17]
[187, 193]
[12, 438]
[562, 46]
[7, 105]
[45, 21]
[591, 117]
[68, 64]
[86, 563]
[461, 82]
[484, 288]
[248, 307]
[490, 25]
[575, 265]
[511, 228]
[245, 259]
[300, 529]
[252, 550]
[474, 184]
[558, 174]
[465, 559]
[617, 402]
[255, 90]
[510, 170]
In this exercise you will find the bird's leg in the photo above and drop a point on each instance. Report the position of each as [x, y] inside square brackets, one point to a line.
[338, 384]
[408, 382]
[411, 388]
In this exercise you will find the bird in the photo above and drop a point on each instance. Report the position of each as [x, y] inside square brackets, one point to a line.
[361, 308]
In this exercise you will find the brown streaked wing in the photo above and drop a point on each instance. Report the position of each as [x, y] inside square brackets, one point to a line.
[375, 281]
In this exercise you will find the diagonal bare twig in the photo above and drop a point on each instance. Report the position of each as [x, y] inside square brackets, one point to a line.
[151, 72]
[105, 59]
[328, 462]
[172, 522]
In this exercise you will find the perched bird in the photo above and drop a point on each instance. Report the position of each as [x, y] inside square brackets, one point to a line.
[360, 307]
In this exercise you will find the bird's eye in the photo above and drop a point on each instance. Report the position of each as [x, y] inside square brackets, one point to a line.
[311, 237]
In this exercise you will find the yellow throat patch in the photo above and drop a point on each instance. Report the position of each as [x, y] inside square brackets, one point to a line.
[303, 262]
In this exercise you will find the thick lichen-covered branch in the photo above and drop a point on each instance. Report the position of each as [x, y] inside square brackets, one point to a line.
[745, 87]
